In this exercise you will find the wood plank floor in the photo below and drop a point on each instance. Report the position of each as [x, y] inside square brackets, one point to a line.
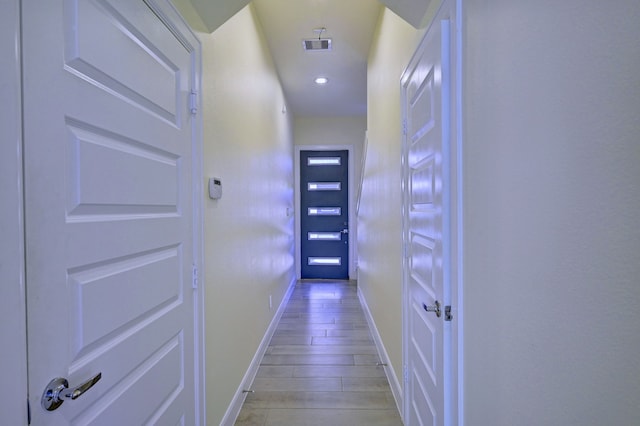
[321, 367]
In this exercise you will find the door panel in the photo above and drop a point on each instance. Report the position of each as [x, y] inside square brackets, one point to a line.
[425, 231]
[109, 219]
[324, 203]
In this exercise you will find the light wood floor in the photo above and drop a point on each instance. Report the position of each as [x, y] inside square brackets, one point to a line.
[321, 367]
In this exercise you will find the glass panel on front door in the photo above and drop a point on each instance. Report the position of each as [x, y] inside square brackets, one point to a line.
[324, 161]
[324, 236]
[325, 261]
[324, 211]
[324, 186]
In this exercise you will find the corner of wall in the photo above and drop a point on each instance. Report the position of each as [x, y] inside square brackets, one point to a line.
[189, 13]
[390, 372]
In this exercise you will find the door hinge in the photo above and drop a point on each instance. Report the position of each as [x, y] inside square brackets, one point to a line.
[28, 411]
[448, 316]
[193, 102]
[406, 373]
[404, 127]
[194, 276]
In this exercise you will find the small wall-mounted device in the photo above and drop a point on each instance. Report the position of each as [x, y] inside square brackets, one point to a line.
[215, 188]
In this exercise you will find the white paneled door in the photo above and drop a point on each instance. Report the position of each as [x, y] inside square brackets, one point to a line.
[426, 189]
[109, 211]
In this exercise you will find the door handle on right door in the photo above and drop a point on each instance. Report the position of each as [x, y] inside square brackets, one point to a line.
[435, 308]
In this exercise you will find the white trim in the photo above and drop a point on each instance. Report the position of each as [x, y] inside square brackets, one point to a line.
[352, 214]
[363, 163]
[13, 333]
[457, 333]
[169, 15]
[448, 219]
[235, 406]
[390, 372]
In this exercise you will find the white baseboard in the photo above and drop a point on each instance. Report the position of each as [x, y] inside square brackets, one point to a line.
[238, 399]
[394, 383]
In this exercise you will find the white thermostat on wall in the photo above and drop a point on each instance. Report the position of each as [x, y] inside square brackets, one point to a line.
[215, 188]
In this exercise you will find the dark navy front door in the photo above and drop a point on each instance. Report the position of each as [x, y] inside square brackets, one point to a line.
[324, 216]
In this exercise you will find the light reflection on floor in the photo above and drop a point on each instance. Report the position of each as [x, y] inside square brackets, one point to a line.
[321, 366]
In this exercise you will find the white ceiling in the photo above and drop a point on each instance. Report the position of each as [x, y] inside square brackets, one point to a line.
[349, 23]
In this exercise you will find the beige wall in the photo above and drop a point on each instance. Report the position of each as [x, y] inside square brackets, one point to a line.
[248, 143]
[332, 131]
[379, 218]
[552, 203]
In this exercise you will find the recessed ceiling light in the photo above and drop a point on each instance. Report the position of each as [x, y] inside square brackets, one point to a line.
[322, 80]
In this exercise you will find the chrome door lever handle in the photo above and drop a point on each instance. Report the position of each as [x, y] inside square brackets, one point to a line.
[435, 308]
[58, 391]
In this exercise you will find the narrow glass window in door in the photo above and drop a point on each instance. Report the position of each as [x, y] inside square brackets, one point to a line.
[324, 236]
[324, 211]
[325, 261]
[325, 186]
[324, 161]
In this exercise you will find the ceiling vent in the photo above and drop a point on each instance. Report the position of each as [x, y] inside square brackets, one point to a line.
[317, 44]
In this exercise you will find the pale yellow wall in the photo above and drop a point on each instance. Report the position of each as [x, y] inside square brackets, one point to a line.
[379, 219]
[329, 130]
[248, 143]
[190, 15]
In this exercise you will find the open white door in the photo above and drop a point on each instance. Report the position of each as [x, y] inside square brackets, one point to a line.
[429, 396]
[109, 211]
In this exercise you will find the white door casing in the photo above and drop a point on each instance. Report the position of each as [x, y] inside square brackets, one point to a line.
[429, 90]
[109, 175]
[13, 368]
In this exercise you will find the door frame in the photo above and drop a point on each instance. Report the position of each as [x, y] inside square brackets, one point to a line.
[13, 294]
[352, 227]
[169, 15]
[453, 241]
[13, 329]
[167, 12]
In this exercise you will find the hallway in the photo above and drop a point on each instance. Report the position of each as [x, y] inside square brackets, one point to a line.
[321, 367]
